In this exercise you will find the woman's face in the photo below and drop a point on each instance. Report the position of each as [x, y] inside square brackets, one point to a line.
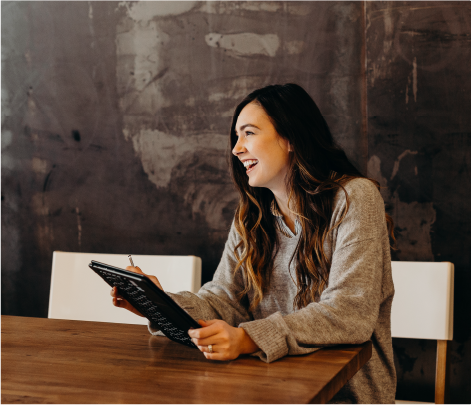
[263, 152]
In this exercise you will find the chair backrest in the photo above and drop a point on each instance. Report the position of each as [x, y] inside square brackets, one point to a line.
[78, 293]
[423, 302]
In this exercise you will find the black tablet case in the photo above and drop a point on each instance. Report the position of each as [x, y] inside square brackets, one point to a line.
[150, 301]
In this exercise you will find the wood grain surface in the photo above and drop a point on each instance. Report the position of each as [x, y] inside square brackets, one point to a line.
[442, 375]
[62, 361]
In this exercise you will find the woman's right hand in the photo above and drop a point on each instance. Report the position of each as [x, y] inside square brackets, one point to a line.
[119, 301]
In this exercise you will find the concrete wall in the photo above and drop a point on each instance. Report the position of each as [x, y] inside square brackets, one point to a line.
[115, 120]
[419, 149]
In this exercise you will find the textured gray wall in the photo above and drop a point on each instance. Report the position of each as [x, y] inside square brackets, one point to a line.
[419, 149]
[115, 120]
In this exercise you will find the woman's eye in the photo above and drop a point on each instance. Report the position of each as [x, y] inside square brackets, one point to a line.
[247, 133]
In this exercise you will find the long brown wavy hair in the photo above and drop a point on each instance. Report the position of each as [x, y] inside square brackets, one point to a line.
[318, 168]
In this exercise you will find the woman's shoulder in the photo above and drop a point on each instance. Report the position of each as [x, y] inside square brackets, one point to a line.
[360, 191]
[365, 213]
[361, 186]
[364, 218]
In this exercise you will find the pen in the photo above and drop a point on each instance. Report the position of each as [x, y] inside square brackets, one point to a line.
[130, 259]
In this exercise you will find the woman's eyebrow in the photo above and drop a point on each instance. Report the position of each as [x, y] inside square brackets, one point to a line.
[247, 125]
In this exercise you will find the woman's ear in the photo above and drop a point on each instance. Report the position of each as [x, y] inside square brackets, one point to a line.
[290, 148]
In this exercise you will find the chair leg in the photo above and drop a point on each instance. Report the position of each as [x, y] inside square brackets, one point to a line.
[442, 374]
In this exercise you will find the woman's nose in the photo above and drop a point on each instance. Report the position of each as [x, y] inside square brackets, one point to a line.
[239, 148]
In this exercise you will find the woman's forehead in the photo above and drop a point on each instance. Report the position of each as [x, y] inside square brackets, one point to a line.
[252, 114]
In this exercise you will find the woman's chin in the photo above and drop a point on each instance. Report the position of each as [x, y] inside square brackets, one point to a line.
[253, 183]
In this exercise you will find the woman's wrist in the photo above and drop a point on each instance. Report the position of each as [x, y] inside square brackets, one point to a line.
[247, 345]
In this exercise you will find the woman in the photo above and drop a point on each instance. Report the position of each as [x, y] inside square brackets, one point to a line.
[307, 262]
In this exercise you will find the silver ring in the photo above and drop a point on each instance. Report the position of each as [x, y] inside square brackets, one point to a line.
[210, 348]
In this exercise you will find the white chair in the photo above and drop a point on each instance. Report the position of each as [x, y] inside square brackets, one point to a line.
[423, 309]
[78, 293]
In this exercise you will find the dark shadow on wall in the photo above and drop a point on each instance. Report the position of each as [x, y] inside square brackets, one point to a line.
[419, 149]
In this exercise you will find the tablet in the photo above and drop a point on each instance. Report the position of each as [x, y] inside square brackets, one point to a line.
[150, 301]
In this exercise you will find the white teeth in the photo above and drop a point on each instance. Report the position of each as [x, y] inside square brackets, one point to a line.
[247, 163]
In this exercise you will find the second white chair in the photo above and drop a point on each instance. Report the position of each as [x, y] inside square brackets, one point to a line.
[422, 308]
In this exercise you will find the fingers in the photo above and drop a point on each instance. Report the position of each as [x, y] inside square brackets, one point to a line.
[155, 281]
[212, 340]
[224, 339]
[205, 349]
[215, 351]
[139, 271]
[114, 293]
[122, 303]
[207, 323]
[134, 269]
[216, 355]
[210, 322]
[119, 301]
[212, 332]
[213, 328]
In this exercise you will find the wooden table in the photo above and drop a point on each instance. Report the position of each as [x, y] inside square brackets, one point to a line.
[61, 361]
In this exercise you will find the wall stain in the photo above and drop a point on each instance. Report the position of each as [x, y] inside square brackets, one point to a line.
[245, 44]
[76, 135]
[46, 180]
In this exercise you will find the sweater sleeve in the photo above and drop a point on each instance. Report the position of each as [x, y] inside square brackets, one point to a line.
[348, 308]
[217, 299]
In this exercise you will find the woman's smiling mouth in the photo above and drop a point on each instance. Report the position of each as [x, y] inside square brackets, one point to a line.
[250, 164]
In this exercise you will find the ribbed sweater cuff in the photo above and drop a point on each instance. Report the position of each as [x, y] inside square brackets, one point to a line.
[268, 338]
[154, 329]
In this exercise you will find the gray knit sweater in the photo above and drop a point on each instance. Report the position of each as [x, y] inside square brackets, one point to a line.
[354, 308]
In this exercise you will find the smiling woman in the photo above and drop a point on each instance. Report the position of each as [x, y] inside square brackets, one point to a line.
[307, 262]
[260, 145]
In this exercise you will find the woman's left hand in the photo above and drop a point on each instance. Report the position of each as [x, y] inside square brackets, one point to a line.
[227, 342]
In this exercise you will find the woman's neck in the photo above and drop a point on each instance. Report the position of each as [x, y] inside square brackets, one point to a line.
[282, 202]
